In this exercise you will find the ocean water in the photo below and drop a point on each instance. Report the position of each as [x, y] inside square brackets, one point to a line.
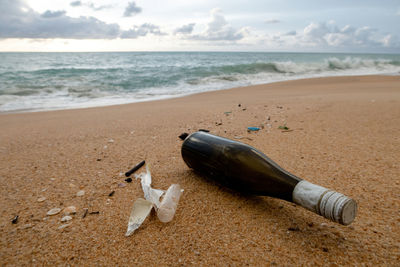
[48, 81]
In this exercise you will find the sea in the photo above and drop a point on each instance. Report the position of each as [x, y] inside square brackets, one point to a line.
[48, 81]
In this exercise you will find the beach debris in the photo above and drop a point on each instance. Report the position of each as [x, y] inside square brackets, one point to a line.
[204, 130]
[53, 211]
[142, 207]
[218, 123]
[243, 137]
[111, 194]
[227, 113]
[140, 210]
[283, 127]
[294, 229]
[121, 185]
[137, 167]
[41, 199]
[80, 193]
[111, 141]
[128, 180]
[85, 212]
[66, 218]
[183, 136]
[239, 105]
[168, 205]
[69, 210]
[253, 129]
[15, 220]
[150, 194]
[94, 212]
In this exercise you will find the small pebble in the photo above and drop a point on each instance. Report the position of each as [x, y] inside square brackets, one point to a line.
[41, 199]
[63, 226]
[66, 218]
[85, 212]
[111, 194]
[69, 210]
[15, 219]
[26, 226]
[53, 179]
[80, 193]
[111, 141]
[121, 185]
[53, 211]
[128, 180]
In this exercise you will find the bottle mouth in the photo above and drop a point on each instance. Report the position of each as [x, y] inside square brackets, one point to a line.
[337, 207]
[327, 203]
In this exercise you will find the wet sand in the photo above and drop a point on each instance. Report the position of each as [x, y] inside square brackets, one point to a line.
[346, 136]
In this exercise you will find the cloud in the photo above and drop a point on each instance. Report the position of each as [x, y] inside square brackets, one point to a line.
[142, 30]
[218, 29]
[331, 35]
[97, 8]
[328, 35]
[20, 21]
[53, 14]
[132, 9]
[290, 33]
[90, 5]
[185, 29]
[272, 21]
[76, 3]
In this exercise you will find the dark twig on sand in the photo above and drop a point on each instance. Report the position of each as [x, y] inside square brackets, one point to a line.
[137, 167]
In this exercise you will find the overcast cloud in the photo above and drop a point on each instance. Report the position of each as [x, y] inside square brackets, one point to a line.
[132, 9]
[20, 21]
[185, 29]
[142, 30]
[218, 29]
[310, 28]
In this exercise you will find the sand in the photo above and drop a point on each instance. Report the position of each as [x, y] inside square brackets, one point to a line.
[346, 136]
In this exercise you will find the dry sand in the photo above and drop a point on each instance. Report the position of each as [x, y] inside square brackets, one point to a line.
[346, 136]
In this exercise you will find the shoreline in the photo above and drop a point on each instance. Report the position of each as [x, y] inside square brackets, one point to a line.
[344, 137]
[23, 111]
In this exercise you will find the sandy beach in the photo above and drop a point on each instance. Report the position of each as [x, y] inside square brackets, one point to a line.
[345, 136]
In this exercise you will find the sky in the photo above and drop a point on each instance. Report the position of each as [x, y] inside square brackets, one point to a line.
[200, 25]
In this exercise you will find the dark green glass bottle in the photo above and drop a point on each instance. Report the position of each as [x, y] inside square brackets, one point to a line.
[244, 168]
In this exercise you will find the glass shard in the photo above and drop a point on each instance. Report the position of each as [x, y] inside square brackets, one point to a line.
[140, 210]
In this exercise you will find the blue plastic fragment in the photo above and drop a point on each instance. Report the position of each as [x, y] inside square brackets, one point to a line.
[253, 128]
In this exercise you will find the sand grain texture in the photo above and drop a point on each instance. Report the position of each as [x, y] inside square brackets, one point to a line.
[346, 136]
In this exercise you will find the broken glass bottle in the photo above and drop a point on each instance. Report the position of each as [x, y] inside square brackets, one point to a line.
[244, 168]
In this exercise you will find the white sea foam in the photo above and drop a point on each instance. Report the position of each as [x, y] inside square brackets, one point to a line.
[82, 80]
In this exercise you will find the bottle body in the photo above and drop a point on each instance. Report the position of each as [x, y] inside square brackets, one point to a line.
[238, 166]
[244, 168]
